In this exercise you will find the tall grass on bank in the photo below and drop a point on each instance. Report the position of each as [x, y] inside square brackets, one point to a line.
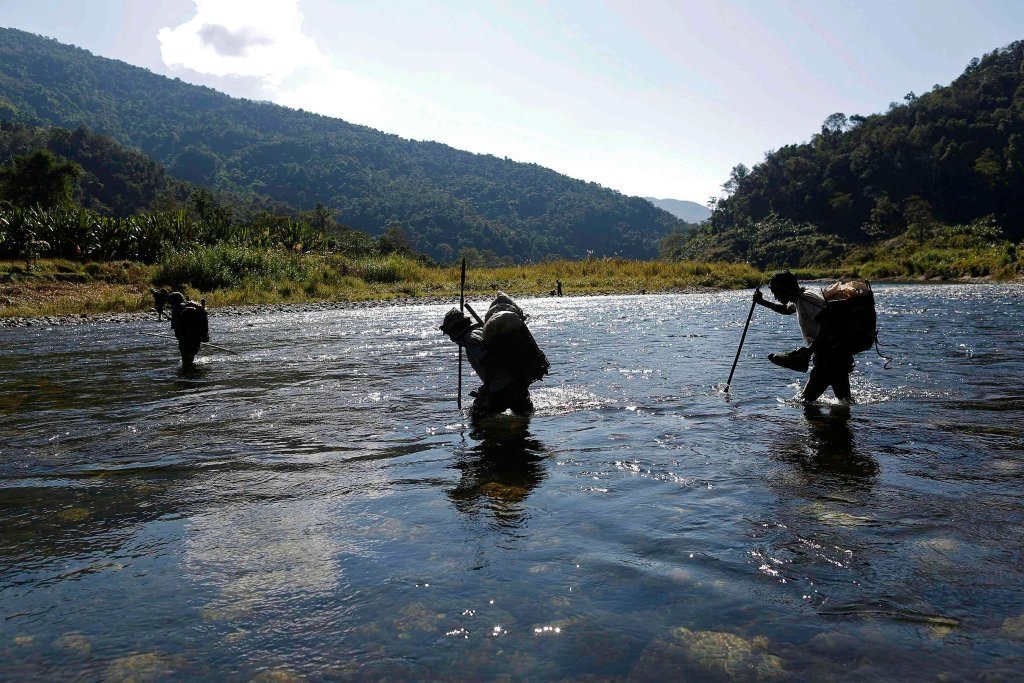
[238, 275]
[604, 276]
[230, 275]
[223, 267]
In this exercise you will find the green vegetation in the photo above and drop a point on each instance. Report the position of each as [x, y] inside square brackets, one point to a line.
[443, 199]
[965, 251]
[951, 157]
[39, 179]
[227, 275]
[111, 179]
[978, 249]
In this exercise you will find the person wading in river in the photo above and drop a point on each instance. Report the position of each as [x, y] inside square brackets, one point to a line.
[190, 324]
[832, 363]
[503, 353]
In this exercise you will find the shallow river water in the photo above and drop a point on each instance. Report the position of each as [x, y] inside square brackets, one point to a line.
[316, 506]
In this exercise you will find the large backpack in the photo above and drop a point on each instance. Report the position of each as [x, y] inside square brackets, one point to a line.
[505, 334]
[193, 323]
[850, 306]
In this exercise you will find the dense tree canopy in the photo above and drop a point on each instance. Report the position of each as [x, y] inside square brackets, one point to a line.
[39, 179]
[114, 180]
[444, 199]
[950, 156]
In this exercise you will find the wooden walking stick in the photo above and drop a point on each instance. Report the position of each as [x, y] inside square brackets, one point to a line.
[742, 338]
[462, 307]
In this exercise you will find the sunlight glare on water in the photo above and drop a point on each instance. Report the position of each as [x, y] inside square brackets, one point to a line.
[316, 505]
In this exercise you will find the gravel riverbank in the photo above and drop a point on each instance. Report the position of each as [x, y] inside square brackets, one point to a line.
[227, 311]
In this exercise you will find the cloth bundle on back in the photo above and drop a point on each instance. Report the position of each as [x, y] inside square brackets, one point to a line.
[850, 306]
[504, 354]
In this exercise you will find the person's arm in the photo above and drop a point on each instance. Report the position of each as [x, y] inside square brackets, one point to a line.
[784, 309]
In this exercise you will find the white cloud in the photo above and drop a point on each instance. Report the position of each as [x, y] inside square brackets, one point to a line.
[241, 38]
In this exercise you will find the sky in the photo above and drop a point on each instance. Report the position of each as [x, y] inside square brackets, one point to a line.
[648, 97]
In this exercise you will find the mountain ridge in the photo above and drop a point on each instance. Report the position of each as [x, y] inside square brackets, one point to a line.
[447, 200]
[953, 156]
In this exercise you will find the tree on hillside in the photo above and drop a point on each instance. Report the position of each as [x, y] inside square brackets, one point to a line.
[320, 219]
[39, 179]
[834, 124]
[918, 215]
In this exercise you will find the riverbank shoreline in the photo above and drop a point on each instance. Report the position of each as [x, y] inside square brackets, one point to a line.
[222, 312]
[125, 317]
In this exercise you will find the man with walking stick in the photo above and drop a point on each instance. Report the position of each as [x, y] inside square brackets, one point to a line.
[833, 362]
[503, 353]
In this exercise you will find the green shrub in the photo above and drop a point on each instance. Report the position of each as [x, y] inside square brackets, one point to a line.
[389, 269]
[210, 268]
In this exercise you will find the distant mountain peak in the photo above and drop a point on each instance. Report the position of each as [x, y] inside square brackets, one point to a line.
[691, 212]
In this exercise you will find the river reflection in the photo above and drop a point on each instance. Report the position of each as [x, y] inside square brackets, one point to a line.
[500, 470]
[830, 445]
[316, 507]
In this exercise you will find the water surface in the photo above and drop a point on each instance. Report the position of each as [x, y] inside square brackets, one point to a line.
[315, 506]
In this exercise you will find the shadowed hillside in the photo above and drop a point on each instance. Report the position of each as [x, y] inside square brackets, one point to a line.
[446, 200]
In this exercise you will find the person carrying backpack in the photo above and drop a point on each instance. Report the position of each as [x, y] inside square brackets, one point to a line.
[825, 332]
[190, 324]
[502, 352]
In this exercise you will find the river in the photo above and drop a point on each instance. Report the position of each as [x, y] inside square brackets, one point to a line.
[316, 506]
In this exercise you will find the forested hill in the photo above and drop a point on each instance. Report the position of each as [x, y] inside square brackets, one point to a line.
[445, 199]
[115, 181]
[952, 156]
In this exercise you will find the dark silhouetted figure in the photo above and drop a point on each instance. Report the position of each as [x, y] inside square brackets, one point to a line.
[832, 362]
[503, 353]
[558, 287]
[190, 325]
[160, 297]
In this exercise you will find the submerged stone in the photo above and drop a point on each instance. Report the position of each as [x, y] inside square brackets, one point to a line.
[146, 666]
[835, 517]
[417, 617]
[235, 610]
[74, 514]
[277, 676]
[76, 642]
[709, 655]
[941, 545]
[1013, 627]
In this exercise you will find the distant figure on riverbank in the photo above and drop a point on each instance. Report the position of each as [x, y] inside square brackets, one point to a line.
[503, 353]
[833, 333]
[558, 287]
[190, 324]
